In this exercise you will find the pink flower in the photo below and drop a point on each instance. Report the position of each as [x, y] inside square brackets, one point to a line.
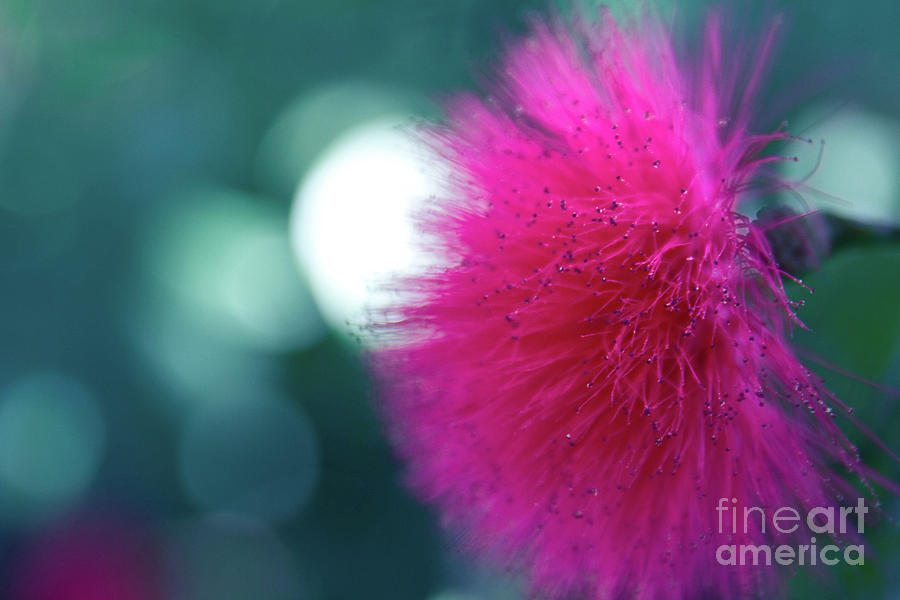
[605, 356]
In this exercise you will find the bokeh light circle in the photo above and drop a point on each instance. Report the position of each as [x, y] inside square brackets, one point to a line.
[51, 442]
[353, 221]
[228, 557]
[258, 458]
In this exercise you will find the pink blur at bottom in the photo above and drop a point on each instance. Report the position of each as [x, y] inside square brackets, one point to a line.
[89, 559]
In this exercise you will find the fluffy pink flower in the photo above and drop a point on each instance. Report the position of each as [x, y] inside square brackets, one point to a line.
[605, 355]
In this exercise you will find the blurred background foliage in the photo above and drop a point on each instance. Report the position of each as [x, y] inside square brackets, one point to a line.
[177, 417]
